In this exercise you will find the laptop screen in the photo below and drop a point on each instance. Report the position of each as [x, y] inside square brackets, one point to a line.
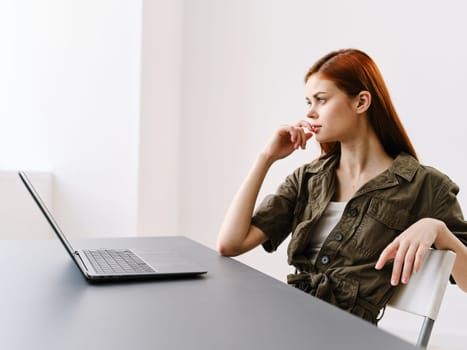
[46, 212]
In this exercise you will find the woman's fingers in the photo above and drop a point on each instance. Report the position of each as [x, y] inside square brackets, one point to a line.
[387, 254]
[303, 124]
[287, 139]
[298, 135]
[408, 250]
[409, 260]
[402, 264]
[398, 264]
[419, 258]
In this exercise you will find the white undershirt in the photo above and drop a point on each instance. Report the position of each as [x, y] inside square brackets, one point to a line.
[324, 226]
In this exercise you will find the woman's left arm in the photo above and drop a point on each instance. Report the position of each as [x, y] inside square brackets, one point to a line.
[447, 240]
[409, 248]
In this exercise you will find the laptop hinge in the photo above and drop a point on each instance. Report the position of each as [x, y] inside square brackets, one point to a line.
[76, 253]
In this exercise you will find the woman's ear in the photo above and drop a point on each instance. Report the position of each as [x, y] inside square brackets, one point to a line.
[362, 102]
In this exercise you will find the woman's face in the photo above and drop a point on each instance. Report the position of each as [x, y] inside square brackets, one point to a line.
[332, 112]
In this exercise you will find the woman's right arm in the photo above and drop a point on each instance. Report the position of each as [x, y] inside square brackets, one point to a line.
[237, 235]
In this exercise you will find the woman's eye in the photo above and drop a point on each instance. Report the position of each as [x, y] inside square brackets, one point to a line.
[308, 103]
[321, 100]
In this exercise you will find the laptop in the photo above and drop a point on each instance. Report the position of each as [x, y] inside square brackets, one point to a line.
[118, 264]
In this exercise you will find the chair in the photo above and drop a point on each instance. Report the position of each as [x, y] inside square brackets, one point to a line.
[425, 291]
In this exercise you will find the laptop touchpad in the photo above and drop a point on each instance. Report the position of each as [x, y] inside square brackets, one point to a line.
[168, 262]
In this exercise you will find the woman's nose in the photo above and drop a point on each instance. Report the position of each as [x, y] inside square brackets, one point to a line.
[312, 114]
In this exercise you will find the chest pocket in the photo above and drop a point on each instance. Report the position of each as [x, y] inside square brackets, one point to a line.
[383, 221]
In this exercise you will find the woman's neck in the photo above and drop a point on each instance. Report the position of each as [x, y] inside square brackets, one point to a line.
[359, 162]
[363, 156]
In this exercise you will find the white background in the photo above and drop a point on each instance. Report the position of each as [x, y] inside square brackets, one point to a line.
[149, 113]
[69, 104]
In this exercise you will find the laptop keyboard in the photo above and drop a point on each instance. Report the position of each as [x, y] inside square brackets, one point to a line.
[122, 261]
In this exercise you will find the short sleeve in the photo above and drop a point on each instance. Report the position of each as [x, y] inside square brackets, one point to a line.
[274, 216]
[448, 210]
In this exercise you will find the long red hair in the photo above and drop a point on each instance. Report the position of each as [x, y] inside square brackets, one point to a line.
[354, 71]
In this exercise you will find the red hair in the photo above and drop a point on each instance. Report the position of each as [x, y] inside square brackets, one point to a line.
[354, 71]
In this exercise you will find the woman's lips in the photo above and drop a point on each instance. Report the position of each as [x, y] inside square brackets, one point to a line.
[315, 128]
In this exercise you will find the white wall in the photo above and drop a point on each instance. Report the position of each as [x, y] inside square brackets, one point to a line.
[20, 217]
[161, 101]
[69, 105]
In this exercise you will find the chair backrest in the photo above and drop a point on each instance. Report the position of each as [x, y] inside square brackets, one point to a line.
[425, 291]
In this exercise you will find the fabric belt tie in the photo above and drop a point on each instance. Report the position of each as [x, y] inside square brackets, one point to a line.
[335, 290]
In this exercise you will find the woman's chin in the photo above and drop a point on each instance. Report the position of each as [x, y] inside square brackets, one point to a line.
[321, 139]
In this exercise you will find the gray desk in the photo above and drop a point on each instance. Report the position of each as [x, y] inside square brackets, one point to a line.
[46, 304]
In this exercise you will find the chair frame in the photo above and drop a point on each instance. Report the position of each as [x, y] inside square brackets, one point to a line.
[424, 292]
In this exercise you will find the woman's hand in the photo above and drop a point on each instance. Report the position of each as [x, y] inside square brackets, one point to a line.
[409, 248]
[237, 235]
[287, 139]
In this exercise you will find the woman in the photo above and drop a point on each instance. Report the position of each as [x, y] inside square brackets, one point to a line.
[364, 213]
